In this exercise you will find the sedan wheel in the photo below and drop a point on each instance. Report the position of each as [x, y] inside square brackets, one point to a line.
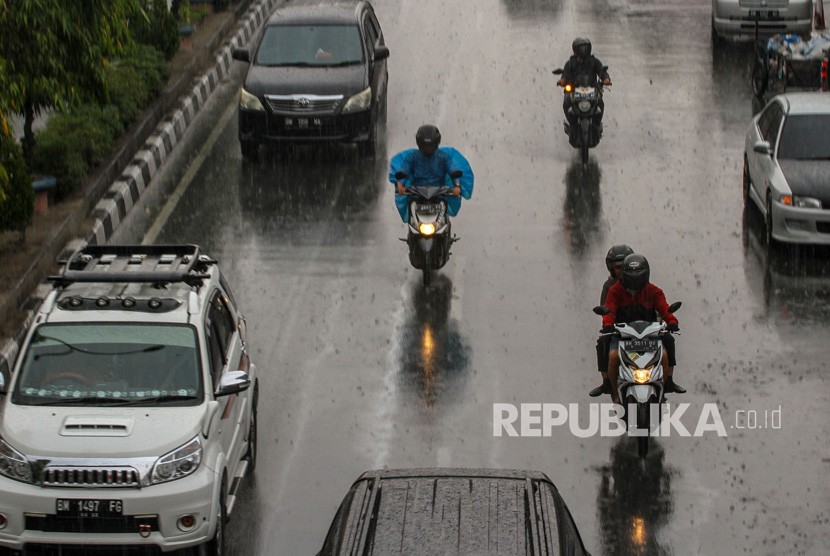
[747, 182]
[768, 222]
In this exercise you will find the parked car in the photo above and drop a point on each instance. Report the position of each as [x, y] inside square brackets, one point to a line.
[130, 416]
[787, 167]
[453, 511]
[736, 19]
[318, 73]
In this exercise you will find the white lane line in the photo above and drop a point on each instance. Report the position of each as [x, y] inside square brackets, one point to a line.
[154, 231]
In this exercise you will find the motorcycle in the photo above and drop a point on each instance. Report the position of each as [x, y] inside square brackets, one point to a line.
[429, 238]
[640, 378]
[585, 107]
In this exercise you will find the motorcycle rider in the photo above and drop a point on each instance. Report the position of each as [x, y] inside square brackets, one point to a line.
[583, 70]
[430, 164]
[613, 262]
[635, 298]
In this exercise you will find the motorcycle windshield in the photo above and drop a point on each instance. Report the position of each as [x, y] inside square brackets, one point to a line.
[430, 191]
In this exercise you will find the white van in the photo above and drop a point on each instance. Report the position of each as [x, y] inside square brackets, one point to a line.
[736, 19]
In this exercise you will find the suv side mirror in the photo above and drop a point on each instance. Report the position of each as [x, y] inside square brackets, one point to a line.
[762, 147]
[381, 53]
[241, 54]
[233, 382]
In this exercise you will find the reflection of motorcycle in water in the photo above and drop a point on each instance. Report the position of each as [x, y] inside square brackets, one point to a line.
[585, 107]
[434, 355]
[640, 380]
[429, 238]
[583, 206]
[634, 500]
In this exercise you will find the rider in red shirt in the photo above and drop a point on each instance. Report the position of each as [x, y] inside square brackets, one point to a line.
[632, 298]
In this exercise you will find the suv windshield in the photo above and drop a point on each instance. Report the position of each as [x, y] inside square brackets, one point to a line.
[310, 45]
[805, 137]
[110, 364]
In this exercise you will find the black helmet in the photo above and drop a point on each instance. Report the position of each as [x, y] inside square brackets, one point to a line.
[582, 48]
[616, 255]
[427, 136]
[635, 272]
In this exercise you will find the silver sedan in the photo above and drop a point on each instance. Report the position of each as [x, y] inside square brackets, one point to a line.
[787, 167]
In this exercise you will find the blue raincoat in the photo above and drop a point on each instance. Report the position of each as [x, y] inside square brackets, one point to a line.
[431, 170]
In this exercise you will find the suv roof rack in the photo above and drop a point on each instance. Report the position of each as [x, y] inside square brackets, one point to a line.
[134, 263]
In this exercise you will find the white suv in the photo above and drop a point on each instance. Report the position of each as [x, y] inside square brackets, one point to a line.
[130, 415]
[736, 19]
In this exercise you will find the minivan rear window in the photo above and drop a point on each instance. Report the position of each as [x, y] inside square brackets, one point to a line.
[309, 45]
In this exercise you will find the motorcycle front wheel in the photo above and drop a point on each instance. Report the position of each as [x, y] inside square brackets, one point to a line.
[642, 424]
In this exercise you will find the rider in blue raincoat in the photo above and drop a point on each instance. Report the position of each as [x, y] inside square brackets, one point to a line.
[430, 164]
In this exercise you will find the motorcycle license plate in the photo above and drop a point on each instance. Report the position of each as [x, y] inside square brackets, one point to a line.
[641, 345]
[86, 507]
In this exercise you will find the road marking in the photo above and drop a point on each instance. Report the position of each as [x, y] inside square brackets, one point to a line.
[154, 231]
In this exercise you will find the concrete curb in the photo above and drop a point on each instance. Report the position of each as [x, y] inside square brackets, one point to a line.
[126, 190]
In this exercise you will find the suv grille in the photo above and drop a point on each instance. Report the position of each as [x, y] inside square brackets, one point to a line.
[90, 477]
[766, 5]
[303, 104]
[125, 524]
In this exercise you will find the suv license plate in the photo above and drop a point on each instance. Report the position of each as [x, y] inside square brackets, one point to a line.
[641, 345]
[87, 507]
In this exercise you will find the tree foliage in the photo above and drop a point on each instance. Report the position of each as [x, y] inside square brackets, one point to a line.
[55, 52]
[17, 197]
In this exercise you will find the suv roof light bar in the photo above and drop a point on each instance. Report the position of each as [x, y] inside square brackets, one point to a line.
[134, 263]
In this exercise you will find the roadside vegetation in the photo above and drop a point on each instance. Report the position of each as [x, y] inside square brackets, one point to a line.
[93, 66]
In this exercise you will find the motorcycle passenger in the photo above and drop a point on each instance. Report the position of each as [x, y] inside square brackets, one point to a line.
[583, 70]
[613, 262]
[430, 164]
[635, 298]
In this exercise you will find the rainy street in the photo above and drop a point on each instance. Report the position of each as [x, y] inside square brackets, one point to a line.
[361, 367]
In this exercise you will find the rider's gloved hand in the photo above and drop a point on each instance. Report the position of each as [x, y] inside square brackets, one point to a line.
[673, 327]
[607, 329]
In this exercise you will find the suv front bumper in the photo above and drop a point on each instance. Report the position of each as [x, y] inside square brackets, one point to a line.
[267, 127]
[30, 514]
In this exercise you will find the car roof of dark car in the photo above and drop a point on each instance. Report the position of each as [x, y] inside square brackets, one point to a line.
[318, 12]
[452, 511]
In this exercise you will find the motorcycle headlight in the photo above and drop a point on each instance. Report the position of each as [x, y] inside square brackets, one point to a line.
[641, 376]
[426, 228]
[249, 102]
[179, 463]
[360, 101]
[13, 464]
[585, 105]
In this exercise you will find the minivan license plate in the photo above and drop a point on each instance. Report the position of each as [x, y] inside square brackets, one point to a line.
[86, 507]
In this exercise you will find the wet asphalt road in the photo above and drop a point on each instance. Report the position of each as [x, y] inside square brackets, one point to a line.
[362, 368]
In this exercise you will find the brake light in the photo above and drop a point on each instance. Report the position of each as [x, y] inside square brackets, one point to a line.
[824, 75]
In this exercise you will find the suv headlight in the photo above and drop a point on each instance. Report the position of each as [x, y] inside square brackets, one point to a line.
[360, 101]
[179, 463]
[13, 464]
[250, 102]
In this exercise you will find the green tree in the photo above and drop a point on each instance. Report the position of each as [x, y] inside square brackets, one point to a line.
[17, 197]
[55, 52]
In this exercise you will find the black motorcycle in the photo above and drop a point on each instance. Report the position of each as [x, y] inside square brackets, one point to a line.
[584, 107]
[429, 238]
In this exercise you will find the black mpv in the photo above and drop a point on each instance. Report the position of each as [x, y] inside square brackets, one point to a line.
[317, 74]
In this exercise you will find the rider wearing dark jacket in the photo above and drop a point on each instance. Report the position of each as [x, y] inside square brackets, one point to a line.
[613, 262]
[583, 69]
[635, 298]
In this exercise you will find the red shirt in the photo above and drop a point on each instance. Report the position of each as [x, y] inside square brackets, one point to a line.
[622, 303]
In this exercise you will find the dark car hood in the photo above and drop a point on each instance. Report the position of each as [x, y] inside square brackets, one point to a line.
[339, 80]
[808, 178]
